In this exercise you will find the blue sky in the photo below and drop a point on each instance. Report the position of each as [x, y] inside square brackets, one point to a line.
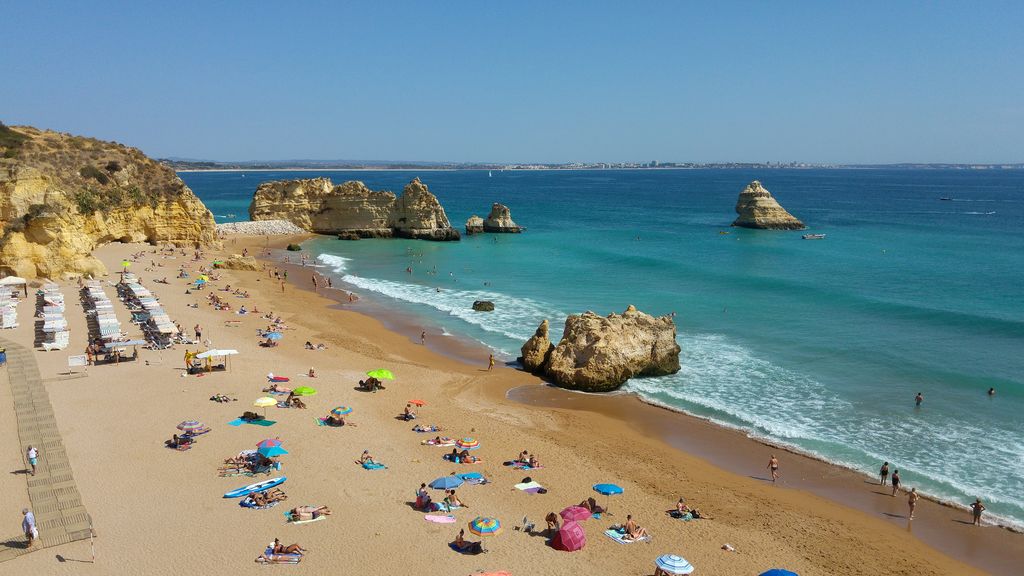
[522, 81]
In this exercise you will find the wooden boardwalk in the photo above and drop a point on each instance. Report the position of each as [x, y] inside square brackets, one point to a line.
[60, 515]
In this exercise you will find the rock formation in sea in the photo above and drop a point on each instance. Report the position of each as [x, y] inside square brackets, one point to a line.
[758, 209]
[500, 220]
[352, 209]
[475, 225]
[62, 196]
[599, 353]
[483, 306]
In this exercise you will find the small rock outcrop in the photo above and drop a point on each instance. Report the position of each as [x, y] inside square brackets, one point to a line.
[317, 205]
[500, 220]
[537, 350]
[483, 306]
[599, 353]
[758, 209]
[475, 225]
[238, 262]
[63, 196]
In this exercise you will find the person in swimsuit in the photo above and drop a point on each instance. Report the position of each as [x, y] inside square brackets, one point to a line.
[883, 473]
[278, 548]
[977, 508]
[773, 465]
[633, 530]
[991, 391]
[895, 482]
[490, 362]
[918, 399]
[912, 499]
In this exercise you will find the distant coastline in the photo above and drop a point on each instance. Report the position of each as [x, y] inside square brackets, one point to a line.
[178, 166]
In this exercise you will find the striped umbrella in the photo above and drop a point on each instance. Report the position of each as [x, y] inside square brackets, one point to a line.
[467, 443]
[190, 425]
[485, 526]
[342, 410]
[673, 564]
[268, 442]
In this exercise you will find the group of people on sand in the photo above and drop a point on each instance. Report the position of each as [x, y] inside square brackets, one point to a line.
[266, 498]
[371, 384]
[977, 507]
[463, 457]
[526, 459]
[311, 346]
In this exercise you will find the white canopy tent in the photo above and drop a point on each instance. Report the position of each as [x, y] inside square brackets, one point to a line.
[15, 281]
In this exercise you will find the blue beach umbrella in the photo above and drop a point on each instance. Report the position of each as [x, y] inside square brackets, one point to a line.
[469, 475]
[200, 281]
[673, 564]
[269, 451]
[779, 572]
[607, 489]
[446, 483]
[273, 335]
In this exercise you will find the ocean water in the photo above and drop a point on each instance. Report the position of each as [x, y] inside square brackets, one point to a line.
[819, 345]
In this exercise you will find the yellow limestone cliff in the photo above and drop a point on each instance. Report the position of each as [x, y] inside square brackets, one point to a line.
[62, 196]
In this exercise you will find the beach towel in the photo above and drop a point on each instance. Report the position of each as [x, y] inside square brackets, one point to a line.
[268, 557]
[440, 519]
[288, 518]
[243, 504]
[473, 550]
[258, 422]
[620, 537]
[521, 466]
[278, 392]
[529, 487]
[278, 379]
[373, 466]
[432, 443]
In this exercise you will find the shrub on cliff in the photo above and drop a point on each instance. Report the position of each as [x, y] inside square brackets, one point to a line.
[294, 247]
[95, 173]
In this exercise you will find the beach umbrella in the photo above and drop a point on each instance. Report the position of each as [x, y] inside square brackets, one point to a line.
[190, 425]
[342, 410]
[574, 513]
[485, 526]
[467, 443]
[570, 537]
[268, 442]
[265, 402]
[417, 402]
[469, 475]
[446, 483]
[269, 451]
[204, 277]
[381, 374]
[125, 263]
[675, 564]
[273, 335]
[200, 281]
[607, 489]
[779, 572]
[304, 391]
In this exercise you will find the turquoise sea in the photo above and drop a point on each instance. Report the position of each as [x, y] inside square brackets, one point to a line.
[820, 345]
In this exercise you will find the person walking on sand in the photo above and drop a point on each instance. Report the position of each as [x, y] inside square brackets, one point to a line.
[895, 482]
[28, 526]
[912, 501]
[918, 399]
[883, 474]
[490, 363]
[199, 333]
[314, 283]
[32, 454]
[188, 359]
[423, 338]
[773, 465]
[977, 508]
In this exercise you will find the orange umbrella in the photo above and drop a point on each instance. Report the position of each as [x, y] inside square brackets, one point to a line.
[417, 402]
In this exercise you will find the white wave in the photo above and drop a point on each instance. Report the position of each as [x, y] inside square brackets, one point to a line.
[337, 264]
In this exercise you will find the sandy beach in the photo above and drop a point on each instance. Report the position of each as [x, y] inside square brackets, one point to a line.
[160, 511]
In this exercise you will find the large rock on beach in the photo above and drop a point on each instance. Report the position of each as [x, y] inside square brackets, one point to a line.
[599, 353]
[500, 220]
[239, 262]
[352, 209]
[63, 196]
[537, 349]
[758, 209]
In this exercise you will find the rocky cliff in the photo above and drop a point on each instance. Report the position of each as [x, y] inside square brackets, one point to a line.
[599, 353]
[500, 220]
[351, 208]
[62, 196]
[758, 209]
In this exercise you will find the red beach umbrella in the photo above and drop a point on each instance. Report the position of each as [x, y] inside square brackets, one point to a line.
[570, 538]
[574, 514]
[417, 402]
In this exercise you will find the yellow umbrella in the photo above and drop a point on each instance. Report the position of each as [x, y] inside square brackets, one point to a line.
[265, 402]
[204, 277]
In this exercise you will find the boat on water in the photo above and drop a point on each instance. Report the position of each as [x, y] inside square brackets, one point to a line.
[813, 236]
[489, 175]
[946, 199]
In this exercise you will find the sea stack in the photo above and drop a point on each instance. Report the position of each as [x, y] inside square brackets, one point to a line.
[475, 225]
[599, 353]
[500, 220]
[758, 209]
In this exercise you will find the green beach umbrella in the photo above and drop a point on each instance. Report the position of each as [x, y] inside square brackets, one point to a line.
[304, 391]
[381, 374]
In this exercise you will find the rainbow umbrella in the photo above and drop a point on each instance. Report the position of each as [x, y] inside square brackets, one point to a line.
[269, 451]
[381, 374]
[190, 425]
[485, 526]
[268, 442]
[674, 564]
[342, 410]
[467, 443]
[304, 391]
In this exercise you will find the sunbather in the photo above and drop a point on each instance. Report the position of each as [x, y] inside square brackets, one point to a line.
[335, 420]
[311, 373]
[179, 441]
[533, 462]
[296, 402]
[453, 501]
[428, 428]
[591, 505]
[466, 458]
[553, 520]
[275, 387]
[278, 548]
[633, 530]
[222, 398]
[366, 458]
[409, 413]
[250, 416]
[463, 545]
[309, 512]
[422, 498]
[265, 498]
[524, 457]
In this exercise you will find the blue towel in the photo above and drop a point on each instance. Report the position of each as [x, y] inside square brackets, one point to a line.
[236, 422]
[373, 466]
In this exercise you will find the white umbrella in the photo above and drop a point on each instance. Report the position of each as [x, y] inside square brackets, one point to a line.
[216, 352]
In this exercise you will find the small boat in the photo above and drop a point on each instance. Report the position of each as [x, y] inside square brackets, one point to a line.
[257, 487]
[813, 236]
[489, 175]
[946, 199]
[723, 232]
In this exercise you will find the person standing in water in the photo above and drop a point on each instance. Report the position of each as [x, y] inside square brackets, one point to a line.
[773, 465]
[918, 399]
[895, 482]
[977, 508]
[883, 473]
[912, 501]
[991, 391]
